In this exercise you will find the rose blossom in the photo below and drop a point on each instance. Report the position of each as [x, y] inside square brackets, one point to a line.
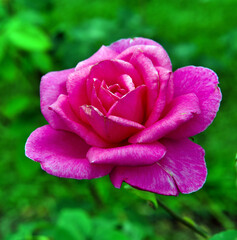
[124, 113]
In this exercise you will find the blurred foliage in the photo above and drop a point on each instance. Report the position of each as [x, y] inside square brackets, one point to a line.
[41, 36]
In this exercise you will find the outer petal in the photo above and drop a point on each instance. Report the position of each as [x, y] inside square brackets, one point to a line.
[182, 109]
[182, 169]
[113, 129]
[151, 178]
[123, 44]
[104, 53]
[130, 106]
[156, 54]
[203, 82]
[130, 155]
[62, 154]
[65, 113]
[185, 162]
[52, 85]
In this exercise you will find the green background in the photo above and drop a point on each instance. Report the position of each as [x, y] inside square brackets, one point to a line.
[41, 36]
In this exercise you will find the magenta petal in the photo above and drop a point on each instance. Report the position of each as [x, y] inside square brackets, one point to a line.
[104, 53]
[151, 178]
[185, 162]
[149, 76]
[126, 82]
[182, 109]
[96, 102]
[204, 83]
[62, 154]
[130, 155]
[52, 85]
[130, 106]
[123, 44]
[77, 88]
[111, 70]
[107, 98]
[156, 54]
[113, 129]
[164, 97]
[73, 124]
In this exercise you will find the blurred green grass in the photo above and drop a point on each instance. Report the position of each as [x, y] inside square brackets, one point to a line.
[41, 36]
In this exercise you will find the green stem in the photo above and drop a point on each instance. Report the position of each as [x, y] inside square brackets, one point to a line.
[182, 220]
[96, 195]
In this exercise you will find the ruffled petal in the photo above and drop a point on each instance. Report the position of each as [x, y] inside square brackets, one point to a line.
[149, 75]
[164, 97]
[104, 53]
[73, 124]
[151, 178]
[156, 54]
[185, 162]
[111, 70]
[123, 44]
[182, 109]
[204, 83]
[113, 129]
[77, 88]
[182, 169]
[51, 86]
[130, 155]
[62, 154]
[126, 82]
[130, 106]
[107, 98]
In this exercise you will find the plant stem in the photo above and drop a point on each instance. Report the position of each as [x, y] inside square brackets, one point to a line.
[95, 195]
[182, 220]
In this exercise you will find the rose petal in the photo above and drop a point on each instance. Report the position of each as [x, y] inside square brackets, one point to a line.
[51, 86]
[150, 178]
[182, 169]
[95, 101]
[164, 97]
[185, 162]
[113, 129]
[130, 155]
[149, 75]
[77, 88]
[65, 113]
[130, 106]
[123, 44]
[156, 54]
[107, 98]
[203, 82]
[126, 82]
[111, 70]
[62, 154]
[104, 53]
[182, 109]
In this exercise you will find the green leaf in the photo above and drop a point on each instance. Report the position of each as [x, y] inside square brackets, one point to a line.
[59, 233]
[3, 43]
[15, 106]
[27, 36]
[143, 194]
[75, 221]
[227, 235]
[42, 61]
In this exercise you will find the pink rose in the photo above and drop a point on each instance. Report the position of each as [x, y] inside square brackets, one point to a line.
[124, 113]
